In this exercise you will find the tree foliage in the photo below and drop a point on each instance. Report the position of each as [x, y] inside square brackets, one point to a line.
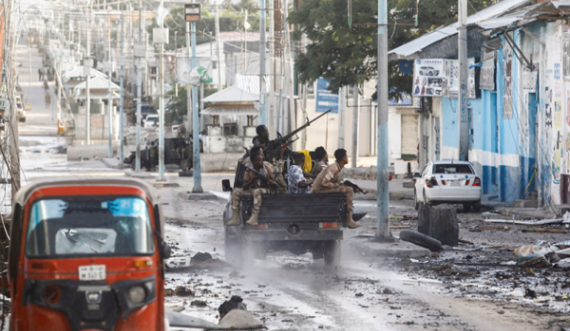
[347, 55]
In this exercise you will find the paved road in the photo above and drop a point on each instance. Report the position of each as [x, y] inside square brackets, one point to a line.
[40, 117]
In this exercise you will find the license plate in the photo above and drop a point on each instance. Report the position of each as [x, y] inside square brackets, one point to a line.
[454, 183]
[92, 272]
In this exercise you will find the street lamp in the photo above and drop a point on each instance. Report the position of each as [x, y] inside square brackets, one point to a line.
[175, 41]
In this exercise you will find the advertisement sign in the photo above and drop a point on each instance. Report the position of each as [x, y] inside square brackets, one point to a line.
[429, 78]
[325, 98]
[487, 76]
[529, 81]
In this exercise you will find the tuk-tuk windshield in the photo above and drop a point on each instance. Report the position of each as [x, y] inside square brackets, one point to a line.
[89, 226]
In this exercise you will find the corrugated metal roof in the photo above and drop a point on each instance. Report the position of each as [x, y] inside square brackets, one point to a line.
[97, 83]
[78, 72]
[252, 111]
[410, 50]
[232, 94]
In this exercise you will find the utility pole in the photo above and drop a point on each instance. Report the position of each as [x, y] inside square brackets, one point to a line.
[139, 115]
[463, 72]
[272, 79]
[355, 119]
[122, 103]
[195, 119]
[189, 114]
[219, 45]
[161, 111]
[383, 202]
[262, 47]
[88, 67]
[139, 95]
[110, 100]
[341, 115]
[289, 61]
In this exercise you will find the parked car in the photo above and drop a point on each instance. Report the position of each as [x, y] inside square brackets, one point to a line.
[150, 121]
[454, 182]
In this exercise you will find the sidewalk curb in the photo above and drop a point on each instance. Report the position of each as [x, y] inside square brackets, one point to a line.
[395, 249]
[372, 196]
[139, 175]
[188, 195]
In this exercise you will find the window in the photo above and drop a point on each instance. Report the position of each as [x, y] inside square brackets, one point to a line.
[452, 169]
[89, 226]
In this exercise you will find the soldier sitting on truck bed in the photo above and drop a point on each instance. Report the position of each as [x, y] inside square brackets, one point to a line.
[254, 185]
[328, 181]
[298, 184]
[322, 159]
[262, 137]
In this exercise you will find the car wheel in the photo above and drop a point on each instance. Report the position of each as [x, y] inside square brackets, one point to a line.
[466, 207]
[476, 207]
[233, 247]
[416, 203]
[332, 253]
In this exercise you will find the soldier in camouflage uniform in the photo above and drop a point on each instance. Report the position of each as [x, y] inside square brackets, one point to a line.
[253, 185]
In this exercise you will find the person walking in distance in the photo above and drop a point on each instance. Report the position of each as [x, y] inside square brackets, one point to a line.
[328, 181]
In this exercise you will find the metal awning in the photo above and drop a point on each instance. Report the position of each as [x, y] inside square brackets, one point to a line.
[221, 111]
[411, 49]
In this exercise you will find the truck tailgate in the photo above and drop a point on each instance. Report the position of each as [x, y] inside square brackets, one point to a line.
[297, 208]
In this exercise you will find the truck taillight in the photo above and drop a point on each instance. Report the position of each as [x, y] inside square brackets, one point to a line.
[431, 182]
[477, 181]
[328, 225]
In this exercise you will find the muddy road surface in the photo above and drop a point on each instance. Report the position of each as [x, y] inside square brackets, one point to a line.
[289, 292]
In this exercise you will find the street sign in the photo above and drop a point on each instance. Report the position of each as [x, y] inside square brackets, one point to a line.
[325, 98]
[4, 105]
[192, 12]
[160, 35]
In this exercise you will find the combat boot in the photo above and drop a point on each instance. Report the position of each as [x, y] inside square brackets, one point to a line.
[253, 219]
[350, 223]
[234, 220]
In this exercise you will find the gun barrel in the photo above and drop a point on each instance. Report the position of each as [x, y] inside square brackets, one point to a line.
[302, 127]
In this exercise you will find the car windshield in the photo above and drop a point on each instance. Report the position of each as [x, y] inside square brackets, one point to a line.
[80, 226]
[452, 169]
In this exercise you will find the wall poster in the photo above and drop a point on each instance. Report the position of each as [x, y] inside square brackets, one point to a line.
[429, 79]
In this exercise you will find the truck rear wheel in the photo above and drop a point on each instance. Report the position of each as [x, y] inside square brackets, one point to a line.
[233, 247]
[332, 253]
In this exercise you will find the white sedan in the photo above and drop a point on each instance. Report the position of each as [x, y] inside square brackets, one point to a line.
[454, 182]
[150, 121]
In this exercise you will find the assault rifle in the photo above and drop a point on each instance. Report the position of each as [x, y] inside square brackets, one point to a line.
[271, 149]
[353, 186]
[263, 177]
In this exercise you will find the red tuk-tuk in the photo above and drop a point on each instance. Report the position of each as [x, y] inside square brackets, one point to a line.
[87, 254]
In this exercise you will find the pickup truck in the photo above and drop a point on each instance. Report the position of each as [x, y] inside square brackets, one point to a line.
[298, 223]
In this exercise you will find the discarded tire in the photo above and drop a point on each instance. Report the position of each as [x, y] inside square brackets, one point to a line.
[423, 218]
[422, 240]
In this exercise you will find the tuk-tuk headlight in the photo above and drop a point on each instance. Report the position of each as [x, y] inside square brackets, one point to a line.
[137, 294]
